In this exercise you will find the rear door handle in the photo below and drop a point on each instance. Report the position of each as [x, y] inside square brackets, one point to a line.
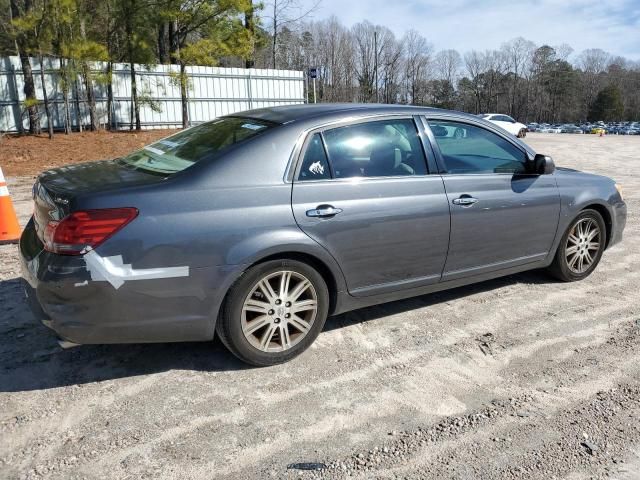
[465, 200]
[324, 211]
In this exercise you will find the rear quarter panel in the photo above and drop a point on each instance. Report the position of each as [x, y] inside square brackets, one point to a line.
[215, 219]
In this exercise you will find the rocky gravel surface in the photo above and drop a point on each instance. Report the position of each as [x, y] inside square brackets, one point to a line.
[516, 378]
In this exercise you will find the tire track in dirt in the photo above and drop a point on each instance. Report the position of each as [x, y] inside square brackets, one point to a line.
[531, 431]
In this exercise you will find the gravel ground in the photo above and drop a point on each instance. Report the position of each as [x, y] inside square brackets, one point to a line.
[519, 377]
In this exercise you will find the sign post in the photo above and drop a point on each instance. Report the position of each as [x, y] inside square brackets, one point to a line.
[313, 73]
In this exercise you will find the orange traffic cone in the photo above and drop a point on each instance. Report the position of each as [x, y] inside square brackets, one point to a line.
[9, 227]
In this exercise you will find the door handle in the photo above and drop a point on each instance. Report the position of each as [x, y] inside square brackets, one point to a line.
[324, 211]
[465, 200]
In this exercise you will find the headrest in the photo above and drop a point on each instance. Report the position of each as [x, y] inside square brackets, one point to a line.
[385, 155]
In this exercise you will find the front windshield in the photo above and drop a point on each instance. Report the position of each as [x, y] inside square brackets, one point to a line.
[178, 152]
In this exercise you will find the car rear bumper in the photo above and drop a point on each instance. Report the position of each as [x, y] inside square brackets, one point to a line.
[62, 294]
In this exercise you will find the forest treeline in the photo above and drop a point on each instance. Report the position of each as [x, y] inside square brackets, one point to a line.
[364, 63]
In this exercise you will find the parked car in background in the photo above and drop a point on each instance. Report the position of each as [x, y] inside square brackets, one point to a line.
[598, 130]
[532, 127]
[570, 129]
[550, 129]
[259, 225]
[509, 124]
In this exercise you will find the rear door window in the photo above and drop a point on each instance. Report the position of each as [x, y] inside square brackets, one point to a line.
[383, 148]
[315, 165]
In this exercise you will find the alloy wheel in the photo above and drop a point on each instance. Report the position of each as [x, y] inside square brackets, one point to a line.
[279, 311]
[583, 244]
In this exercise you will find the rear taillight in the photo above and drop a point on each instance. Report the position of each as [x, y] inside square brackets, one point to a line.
[85, 229]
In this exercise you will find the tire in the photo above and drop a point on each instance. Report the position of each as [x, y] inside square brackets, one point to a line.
[262, 332]
[522, 133]
[458, 133]
[566, 266]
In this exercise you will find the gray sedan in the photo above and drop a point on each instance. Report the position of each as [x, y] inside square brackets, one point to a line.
[257, 226]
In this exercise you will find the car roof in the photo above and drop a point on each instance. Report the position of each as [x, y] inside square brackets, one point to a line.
[292, 113]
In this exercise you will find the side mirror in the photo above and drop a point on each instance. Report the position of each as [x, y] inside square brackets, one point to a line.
[543, 164]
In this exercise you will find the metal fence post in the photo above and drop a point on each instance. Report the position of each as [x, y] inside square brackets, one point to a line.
[15, 101]
[249, 93]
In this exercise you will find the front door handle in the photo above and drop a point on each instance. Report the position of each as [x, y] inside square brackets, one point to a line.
[465, 200]
[324, 211]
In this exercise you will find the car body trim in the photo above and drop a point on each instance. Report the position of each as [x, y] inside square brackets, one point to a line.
[389, 287]
[497, 265]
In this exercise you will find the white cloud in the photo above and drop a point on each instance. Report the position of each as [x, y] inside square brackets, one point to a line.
[612, 25]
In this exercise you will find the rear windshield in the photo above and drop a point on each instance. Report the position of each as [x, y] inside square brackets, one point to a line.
[178, 152]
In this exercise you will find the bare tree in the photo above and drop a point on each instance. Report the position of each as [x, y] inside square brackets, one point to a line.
[376, 51]
[474, 64]
[417, 60]
[390, 58]
[518, 53]
[365, 62]
[448, 64]
[334, 54]
[593, 62]
[563, 51]
[281, 14]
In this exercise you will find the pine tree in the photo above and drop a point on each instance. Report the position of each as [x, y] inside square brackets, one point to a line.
[608, 105]
[202, 32]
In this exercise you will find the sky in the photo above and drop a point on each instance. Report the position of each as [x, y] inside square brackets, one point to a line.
[612, 25]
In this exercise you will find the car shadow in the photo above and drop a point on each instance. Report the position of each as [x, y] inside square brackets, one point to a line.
[32, 360]
[431, 299]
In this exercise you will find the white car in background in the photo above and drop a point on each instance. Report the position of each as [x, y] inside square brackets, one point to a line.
[509, 124]
[550, 129]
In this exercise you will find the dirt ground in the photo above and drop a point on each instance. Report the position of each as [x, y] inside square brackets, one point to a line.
[30, 155]
[520, 377]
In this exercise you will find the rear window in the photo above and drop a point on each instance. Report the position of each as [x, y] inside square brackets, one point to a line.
[180, 151]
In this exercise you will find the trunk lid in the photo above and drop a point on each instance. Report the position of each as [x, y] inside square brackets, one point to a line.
[95, 176]
[55, 190]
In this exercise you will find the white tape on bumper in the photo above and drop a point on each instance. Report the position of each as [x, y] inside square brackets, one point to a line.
[114, 271]
[4, 191]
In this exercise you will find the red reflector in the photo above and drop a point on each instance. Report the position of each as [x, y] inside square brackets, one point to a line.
[85, 228]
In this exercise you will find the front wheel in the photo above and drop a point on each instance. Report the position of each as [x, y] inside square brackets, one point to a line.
[581, 248]
[522, 133]
[274, 312]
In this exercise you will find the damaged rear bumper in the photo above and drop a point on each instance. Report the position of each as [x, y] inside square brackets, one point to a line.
[91, 299]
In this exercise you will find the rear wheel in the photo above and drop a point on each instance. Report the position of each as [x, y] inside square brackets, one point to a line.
[522, 133]
[274, 312]
[581, 247]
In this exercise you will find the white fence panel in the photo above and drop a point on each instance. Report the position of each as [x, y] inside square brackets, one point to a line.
[213, 92]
